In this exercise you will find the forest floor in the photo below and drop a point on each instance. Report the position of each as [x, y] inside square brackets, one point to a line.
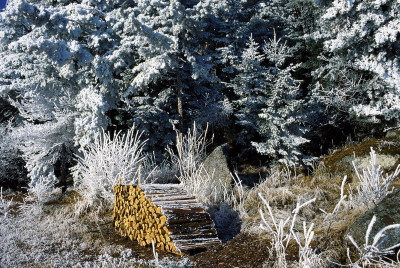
[51, 235]
[244, 250]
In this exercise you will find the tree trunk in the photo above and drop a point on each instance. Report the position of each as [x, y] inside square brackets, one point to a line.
[179, 97]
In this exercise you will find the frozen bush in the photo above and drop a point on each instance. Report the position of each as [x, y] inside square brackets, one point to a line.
[369, 254]
[190, 152]
[374, 186]
[188, 161]
[41, 191]
[104, 162]
[282, 233]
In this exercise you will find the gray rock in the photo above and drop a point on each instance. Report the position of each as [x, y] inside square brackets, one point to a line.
[363, 162]
[217, 165]
[386, 161]
[387, 212]
[392, 134]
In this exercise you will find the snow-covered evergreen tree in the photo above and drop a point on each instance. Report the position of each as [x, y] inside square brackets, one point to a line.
[359, 72]
[28, 61]
[294, 21]
[66, 65]
[222, 39]
[268, 102]
[281, 120]
[248, 86]
[51, 68]
[225, 34]
[171, 79]
[12, 167]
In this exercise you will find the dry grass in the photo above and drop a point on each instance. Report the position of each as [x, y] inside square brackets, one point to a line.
[338, 203]
[314, 234]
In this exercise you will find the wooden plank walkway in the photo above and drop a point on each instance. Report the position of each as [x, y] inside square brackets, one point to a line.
[164, 214]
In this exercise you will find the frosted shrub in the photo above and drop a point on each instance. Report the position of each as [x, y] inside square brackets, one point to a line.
[374, 186]
[4, 205]
[188, 161]
[307, 256]
[157, 172]
[370, 254]
[41, 191]
[105, 161]
[282, 233]
[190, 151]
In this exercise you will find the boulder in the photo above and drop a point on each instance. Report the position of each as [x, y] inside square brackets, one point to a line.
[364, 161]
[392, 134]
[217, 165]
[387, 212]
[387, 152]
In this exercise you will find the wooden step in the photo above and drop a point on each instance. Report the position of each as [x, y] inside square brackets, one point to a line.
[164, 214]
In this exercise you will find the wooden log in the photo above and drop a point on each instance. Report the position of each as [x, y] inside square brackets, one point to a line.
[165, 214]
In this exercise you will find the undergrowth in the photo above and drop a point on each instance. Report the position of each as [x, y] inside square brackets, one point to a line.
[303, 218]
[51, 235]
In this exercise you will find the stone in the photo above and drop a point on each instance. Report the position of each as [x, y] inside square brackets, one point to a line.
[392, 134]
[363, 162]
[387, 212]
[217, 165]
[341, 162]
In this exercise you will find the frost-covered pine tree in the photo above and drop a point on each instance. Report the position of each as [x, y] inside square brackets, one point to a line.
[52, 71]
[31, 81]
[221, 41]
[269, 102]
[12, 171]
[172, 75]
[281, 120]
[152, 90]
[248, 86]
[359, 72]
[226, 34]
[294, 21]
[67, 65]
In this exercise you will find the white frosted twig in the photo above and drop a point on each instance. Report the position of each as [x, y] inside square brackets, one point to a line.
[279, 234]
[371, 253]
[4, 206]
[374, 186]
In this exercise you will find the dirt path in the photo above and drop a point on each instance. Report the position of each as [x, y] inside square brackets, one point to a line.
[241, 251]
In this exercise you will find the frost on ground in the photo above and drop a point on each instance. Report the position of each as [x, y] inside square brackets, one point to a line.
[33, 236]
[127, 260]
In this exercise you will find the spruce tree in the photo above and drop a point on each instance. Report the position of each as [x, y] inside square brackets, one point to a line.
[269, 106]
[248, 86]
[358, 76]
[172, 79]
[281, 119]
[53, 73]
